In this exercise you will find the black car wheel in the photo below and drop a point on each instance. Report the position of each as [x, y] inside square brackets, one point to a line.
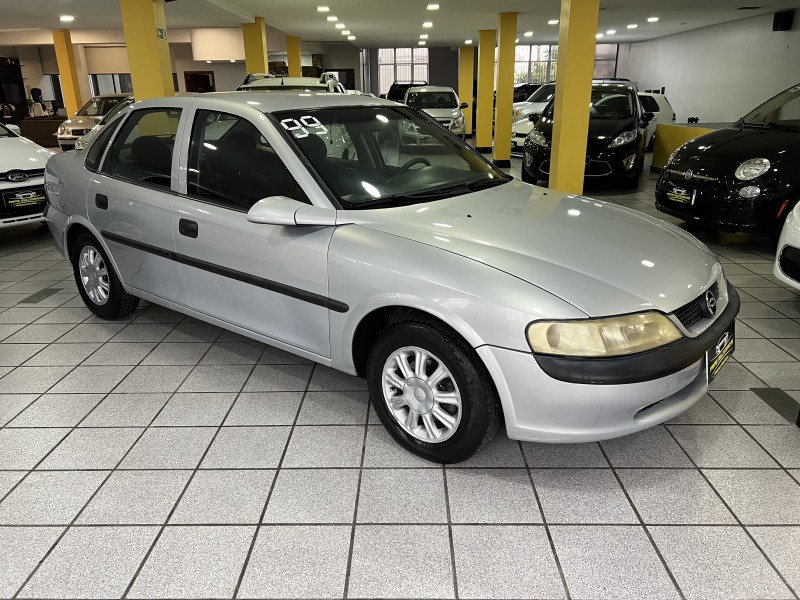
[528, 178]
[98, 284]
[432, 392]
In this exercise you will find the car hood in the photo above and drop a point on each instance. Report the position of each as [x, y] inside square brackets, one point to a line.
[527, 108]
[599, 129]
[443, 113]
[81, 122]
[601, 258]
[18, 153]
[734, 145]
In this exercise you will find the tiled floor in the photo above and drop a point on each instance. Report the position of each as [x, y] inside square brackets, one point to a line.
[160, 457]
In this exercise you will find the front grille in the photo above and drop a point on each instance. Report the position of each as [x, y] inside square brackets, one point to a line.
[29, 172]
[521, 135]
[692, 312]
[790, 262]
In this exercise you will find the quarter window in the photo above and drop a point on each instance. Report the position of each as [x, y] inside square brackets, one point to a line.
[95, 153]
[142, 152]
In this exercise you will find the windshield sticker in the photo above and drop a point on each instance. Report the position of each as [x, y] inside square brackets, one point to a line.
[299, 127]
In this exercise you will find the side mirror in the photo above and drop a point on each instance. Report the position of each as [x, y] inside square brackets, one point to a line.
[280, 210]
[647, 117]
[534, 117]
[14, 128]
[463, 105]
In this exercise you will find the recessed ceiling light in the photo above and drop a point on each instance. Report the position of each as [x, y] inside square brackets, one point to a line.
[516, 41]
[433, 7]
[233, 60]
[528, 34]
[598, 35]
[423, 36]
[323, 8]
[553, 22]
[332, 18]
[652, 19]
[208, 61]
[351, 37]
[427, 24]
[66, 18]
[346, 32]
[632, 26]
[339, 25]
[611, 32]
[467, 42]
[421, 43]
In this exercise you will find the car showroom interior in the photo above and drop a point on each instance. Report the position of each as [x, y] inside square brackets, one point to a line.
[413, 300]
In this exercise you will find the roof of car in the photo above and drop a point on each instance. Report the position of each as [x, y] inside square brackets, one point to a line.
[123, 95]
[430, 88]
[267, 100]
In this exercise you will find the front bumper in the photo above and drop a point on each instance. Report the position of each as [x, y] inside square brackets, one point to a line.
[600, 163]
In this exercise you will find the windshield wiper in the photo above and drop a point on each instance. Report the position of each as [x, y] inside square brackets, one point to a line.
[430, 194]
[782, 126]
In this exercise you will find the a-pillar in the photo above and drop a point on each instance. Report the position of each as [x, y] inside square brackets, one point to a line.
[466, 75]
[293, 55]
[576, 49]
[485, 103]
[506, 46]
[145, 30]
[255, 46]
[67, 69]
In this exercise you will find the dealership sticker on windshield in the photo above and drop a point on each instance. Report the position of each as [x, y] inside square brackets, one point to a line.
[678, 194]
[719, 353]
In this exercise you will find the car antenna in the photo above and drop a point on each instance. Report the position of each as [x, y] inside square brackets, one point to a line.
[281, 79]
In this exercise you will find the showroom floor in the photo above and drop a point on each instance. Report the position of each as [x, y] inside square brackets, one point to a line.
[160, 457]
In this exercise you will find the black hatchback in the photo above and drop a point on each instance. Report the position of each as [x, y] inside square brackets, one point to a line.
[616, 144]
[745, 177]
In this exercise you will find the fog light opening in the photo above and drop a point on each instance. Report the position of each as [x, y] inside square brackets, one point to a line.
[629, 162]
[750, 191]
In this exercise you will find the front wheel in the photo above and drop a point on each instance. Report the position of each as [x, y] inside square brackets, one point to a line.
[431, 392]
[98, 284]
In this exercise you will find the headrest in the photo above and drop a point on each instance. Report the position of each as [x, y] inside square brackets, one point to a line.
[233, 153]
[152, 153]
[313, 147]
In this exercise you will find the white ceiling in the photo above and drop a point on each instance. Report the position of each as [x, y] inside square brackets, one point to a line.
[381, 23]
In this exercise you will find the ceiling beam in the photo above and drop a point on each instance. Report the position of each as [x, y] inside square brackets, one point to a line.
[234, 9]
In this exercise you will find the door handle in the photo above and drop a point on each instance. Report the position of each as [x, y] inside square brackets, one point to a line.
[101, 201]
[187, 228]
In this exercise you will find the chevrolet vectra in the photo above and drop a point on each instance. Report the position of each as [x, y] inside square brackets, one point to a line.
[465, 298]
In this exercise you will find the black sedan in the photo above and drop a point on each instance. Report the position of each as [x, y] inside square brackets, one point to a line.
[616, 144]
[745, 177]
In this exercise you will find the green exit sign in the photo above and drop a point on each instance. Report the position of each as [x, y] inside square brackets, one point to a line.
[161, 33]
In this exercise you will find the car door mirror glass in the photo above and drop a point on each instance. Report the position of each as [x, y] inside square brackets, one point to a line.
[280, 210]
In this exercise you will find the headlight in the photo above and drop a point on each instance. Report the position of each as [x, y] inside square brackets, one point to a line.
[616, 336]
[537, 137]
[623, 138]
[750, 169]
[62, 130]
[458, 122]
[516, 113]
[80, 144]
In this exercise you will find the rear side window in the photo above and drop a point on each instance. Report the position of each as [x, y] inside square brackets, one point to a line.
[649, 104]
[95, 153]
[142, 151]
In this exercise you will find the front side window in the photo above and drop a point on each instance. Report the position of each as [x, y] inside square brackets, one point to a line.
[398, 156]
[543, 94]
[142, 151]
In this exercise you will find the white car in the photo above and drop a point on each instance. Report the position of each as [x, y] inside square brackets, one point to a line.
[264, 81]
[661, 109]
[441, 103]
[22, 162]
[86, 118]
[534, 104]
[787, 258]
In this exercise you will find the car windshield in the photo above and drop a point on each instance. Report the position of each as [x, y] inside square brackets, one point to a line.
[783, 109]
[425, 100]
[4, 132]
[97, 107]
[117, 108]
[543, 94]
[384, 156]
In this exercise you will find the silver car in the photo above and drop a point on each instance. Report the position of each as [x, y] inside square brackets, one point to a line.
[465, 298]
[86, 118]
[441, 103]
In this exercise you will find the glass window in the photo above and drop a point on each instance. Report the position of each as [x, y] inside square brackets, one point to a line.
[95, 153]
[142, 151]
[231, 164]
[401, 64]
[649, 103]
[97, 107]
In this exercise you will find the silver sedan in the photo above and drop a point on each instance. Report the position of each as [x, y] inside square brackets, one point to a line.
[464, 297]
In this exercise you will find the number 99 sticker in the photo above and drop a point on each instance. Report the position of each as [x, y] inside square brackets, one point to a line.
[298, 128]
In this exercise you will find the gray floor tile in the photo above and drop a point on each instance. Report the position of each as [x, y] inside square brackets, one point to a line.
[52, 498]
[7, 330]
[216, 378]
[780, 545]
[274, 356]
[283, 558]
[247, 448]
[13, 404]
[313, 496]
[13, 355]
[327, 379]
[57, 410]
[783, 375]
[382, 450]
[791, 346]
[582, 496]
[403, 496]
[233, 353]
[757, 310]
[143, 332]
[91, 380]
[193, 409]
[177, 353]
[652, 447]
[20, 314]
[8, 479]
[135, 498]
[759, 497]
[382, 553]
[88, 332]
[265, 408]
[788, 309]
[743, 332]
[159, 314]
[91, 449]
[491, 496]
[317, 446]
[31, 380]
[611, 562]
[674, 496]
[748, 351]
[193, 331]
[62, 355]
[65, 315]
[21, 549]
[721, 446]
[194, 562]
[775, 328]
[91, 562]
[169, 448]
[115, 353]
[126, 410]
[233, 497]
[782, 442]
[334, 408]
[717, 563]
[500, 452]
[153, 379]
[748, 281]
[564, 456]
[505, 561]
[735, 377]
[705, 412]
[37, 334]
[23, 448]
[278, 378]
[747, 408]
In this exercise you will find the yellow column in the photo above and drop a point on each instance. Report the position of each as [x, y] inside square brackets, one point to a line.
[68, 70]
[505, 88]
[576, 49]
[466, 73]
[148, 49]
[485, 103]
[255, 46]
[293, 55]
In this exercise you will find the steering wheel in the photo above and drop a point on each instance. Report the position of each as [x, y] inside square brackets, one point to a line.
[414, 161]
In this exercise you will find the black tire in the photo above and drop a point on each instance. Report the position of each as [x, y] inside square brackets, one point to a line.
[480, 409]
[119, 303]
[527, 177]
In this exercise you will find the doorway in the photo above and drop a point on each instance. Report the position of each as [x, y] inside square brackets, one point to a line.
[199, 81]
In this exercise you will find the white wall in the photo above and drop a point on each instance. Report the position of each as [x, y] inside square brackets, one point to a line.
[339, 56]
[717, 73]
[226, 75]
[107, 60]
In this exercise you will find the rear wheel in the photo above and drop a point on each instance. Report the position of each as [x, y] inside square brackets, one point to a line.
[98, 284]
